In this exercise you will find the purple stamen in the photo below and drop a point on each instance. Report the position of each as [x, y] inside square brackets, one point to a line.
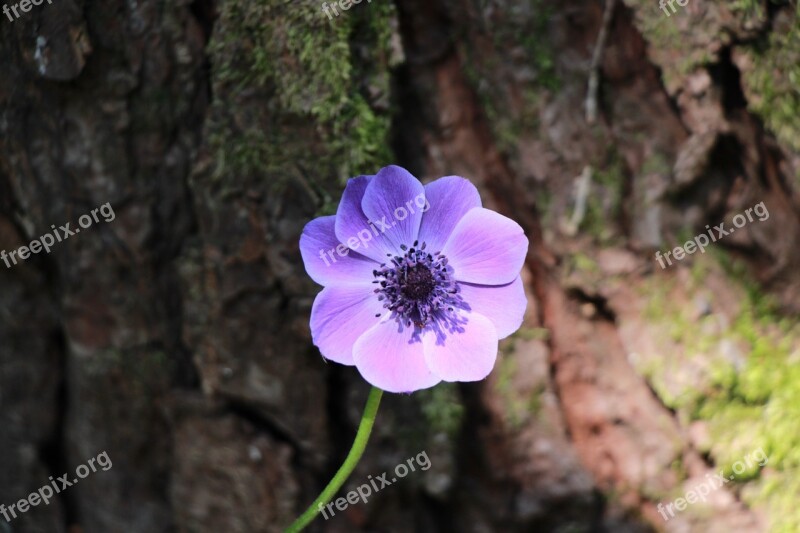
[417, 286]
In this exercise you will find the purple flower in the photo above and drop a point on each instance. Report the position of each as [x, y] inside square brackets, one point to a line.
[419, 282]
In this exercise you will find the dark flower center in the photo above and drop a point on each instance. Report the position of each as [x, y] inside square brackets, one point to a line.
[417, 287]
[419, 283]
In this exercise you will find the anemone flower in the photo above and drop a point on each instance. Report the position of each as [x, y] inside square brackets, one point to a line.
[420, 283]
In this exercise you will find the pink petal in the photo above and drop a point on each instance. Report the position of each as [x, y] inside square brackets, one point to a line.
[486, 248]
[387, 358]
[325, 265]
[450, 198]
[464, 355]
[503, 305]
[339, 316]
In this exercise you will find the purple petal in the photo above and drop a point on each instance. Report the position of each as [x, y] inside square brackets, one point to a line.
[325, 265]
[449, 200]
[339, 316]
[390, 360]
[465, 355]
[393, 201]
[352, 225]
[503, 305]
[486, 248]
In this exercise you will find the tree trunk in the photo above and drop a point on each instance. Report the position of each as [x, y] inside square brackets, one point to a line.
[174, 334]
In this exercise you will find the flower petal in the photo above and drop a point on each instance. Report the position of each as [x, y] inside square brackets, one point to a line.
[466, 354]
[352, 225]
[393, 201]
[389, 359]
[449, 199]
[318, 246]
[503, 305]
[339, 316]
[486, 248]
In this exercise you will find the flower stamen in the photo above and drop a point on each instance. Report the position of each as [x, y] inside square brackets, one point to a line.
[417, 286]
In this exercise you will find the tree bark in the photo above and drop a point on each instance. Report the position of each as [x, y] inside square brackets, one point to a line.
[175, 336]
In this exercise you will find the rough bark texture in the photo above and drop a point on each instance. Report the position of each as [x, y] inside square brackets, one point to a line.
[175, 336]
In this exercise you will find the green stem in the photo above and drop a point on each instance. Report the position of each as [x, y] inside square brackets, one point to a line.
[364, 429]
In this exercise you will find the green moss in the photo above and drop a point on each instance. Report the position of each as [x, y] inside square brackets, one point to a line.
[656, 163]
[529, 33]
[662, 33]
[604, 203]
[681, 46]
[523, 28]
[699, 271]
[582, 263]
[529, 334]
[442, 408]
[544, 204]
[518, 406]
[314, 76]
[780, 494]
[749, 405]
[514, 406]
[749, 8]
[773, 83]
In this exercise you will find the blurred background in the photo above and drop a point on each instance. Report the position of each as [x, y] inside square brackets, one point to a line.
[174, 337]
